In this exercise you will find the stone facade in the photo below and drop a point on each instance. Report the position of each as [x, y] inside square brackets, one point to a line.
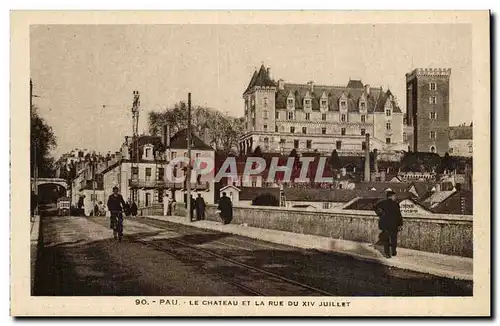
[428, 109]
[282, 116]
[146, 182]
[439, 233]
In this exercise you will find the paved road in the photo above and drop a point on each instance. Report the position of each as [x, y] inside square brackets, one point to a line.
[79, 257]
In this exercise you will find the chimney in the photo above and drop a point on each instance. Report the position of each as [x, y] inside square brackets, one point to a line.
[125, 152]
[367, 90]
[367, 158]
[375, 160]
[281, 84]
[438, 187]
[311, 84]
[166, 135]
[269, 73]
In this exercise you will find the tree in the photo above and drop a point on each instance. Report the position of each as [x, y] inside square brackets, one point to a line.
[216, 129]
[42, 141]
[446, 164]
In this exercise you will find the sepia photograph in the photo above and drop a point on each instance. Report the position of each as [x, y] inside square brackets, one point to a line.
[218, 164]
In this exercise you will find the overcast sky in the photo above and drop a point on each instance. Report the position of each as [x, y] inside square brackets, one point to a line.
[76, 69]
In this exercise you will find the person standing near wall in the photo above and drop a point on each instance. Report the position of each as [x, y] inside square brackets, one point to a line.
[200, 207]
[390, 223]
[226, 209]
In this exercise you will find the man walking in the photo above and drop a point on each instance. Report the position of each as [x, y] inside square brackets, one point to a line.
[200, 207]
[226, 209]
[390, 223]
[116, 206]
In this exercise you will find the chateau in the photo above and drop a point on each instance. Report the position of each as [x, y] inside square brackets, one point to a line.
[281, 116]
[428, 109]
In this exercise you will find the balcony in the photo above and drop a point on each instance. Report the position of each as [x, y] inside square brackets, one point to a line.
[194, 185]
[141, 183]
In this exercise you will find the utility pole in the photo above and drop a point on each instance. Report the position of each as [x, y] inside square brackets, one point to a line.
[93, 181]
[135, 140]
[188, 171]
[35, 163]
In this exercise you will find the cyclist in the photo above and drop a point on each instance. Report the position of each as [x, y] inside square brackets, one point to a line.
[116, 206]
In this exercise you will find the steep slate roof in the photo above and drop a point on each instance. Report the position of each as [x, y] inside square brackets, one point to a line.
[453, 204]
[382, 186]
[141, 141]
[260, 78]
[354, 84]
[367, 203]
[422, 188]
[333, 93]
[384, 97]
[460, 132]
[179, 141]
[436, 198]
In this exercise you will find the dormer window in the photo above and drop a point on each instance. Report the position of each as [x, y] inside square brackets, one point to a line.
[343, 117]
[362, 106]
[343, 105]
[323, 104]
[307, 103]
[290, 102]
[388, 112]
[148, 152]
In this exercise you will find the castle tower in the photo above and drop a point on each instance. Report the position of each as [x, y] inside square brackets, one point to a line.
[428, 111]
[259, 110]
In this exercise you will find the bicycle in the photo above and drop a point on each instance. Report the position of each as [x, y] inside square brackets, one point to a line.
[116, 223]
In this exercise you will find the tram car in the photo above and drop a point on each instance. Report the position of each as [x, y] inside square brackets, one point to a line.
[63, 206]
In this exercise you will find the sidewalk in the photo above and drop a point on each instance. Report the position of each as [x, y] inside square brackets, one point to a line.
[34, 235]
[414, 260]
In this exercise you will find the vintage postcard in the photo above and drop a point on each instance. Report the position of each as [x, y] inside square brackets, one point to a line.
[237, 163]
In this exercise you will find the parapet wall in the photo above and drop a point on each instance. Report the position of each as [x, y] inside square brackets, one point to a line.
[439, 233]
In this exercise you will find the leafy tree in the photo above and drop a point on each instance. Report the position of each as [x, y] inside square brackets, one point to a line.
[42, 141]
[446, 164]
[218, 130]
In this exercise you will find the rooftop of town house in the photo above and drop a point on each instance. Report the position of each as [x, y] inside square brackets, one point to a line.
[460, 132]
[382, 186]
[434, 199]
[367, 203]
[180, 141]
[460, 202]
[422, 188]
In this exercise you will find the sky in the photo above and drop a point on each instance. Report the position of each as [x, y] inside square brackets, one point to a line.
[84, 75]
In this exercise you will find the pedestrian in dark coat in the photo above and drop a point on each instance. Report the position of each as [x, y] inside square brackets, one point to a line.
[226, 209]
[200, 207]
[133, 209]
[390, 223]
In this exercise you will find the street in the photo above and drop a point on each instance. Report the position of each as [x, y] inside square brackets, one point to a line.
[79, 257]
